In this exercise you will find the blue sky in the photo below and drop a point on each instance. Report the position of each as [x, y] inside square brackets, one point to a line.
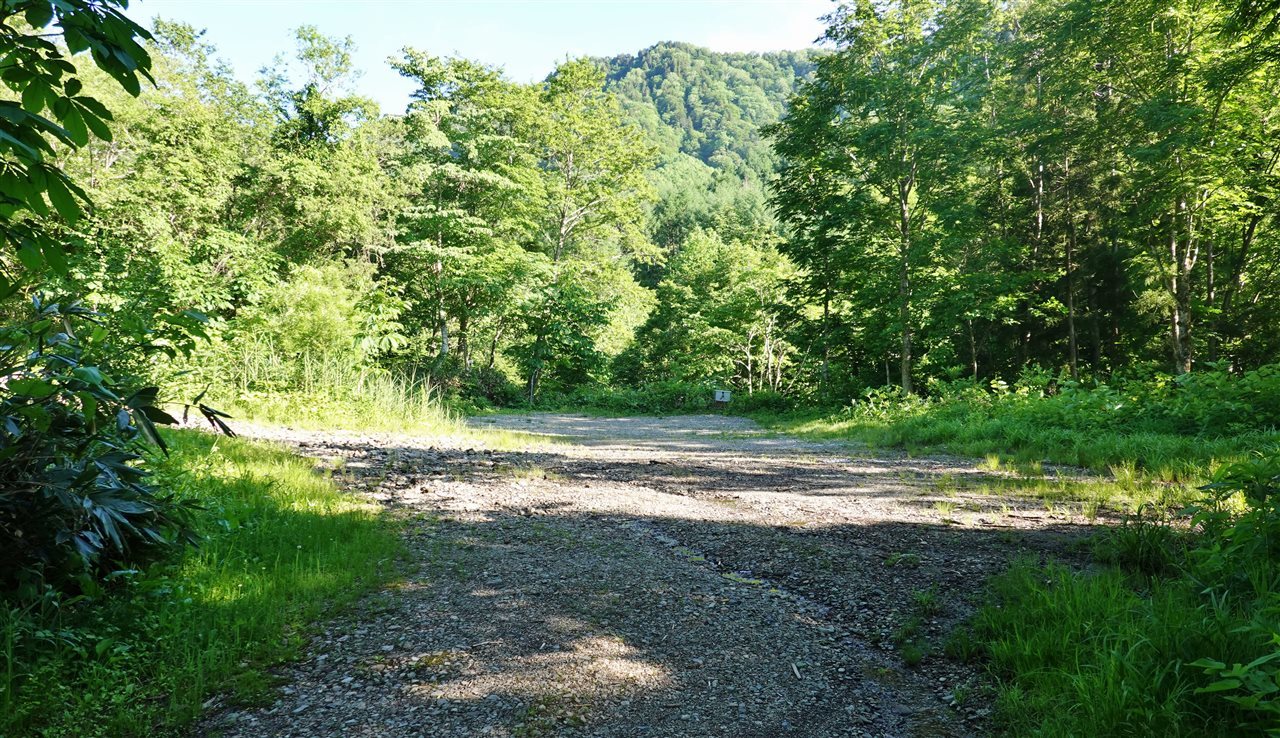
[525, 37]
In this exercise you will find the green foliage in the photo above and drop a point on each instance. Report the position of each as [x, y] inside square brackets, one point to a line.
[708, 105]
[41, 74]
[561, 323]
[1121, 650]
[336, 310]
[139, 655]
[324, 325]
[717, 319]
[973, 187]
[73, 499]
[655, 399]
[76, 500]
[1171, 428]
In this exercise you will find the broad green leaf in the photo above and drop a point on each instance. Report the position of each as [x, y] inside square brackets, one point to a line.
[34, 95]
[1222, 685]
[89, 374]
[55, 257]
[39, 14]
[76, 42]
[96, 124]
[63, 200]
[32, 387]
[89, 406]
[30, 257]
[75, 125]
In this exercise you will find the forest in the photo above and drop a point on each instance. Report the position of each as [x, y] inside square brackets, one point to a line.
[1043, 232]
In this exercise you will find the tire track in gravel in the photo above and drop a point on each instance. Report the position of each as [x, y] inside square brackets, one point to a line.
[674, 577]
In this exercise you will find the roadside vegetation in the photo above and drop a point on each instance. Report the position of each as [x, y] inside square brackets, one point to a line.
[1169, 429]
[1175, 634]
[1175, 629]
[139, 650]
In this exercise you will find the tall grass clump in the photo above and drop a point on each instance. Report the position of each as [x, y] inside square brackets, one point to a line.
[1176, 634]
[332, 392]
[281, 547]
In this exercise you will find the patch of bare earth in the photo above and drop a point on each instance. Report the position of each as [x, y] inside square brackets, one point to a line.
[683, 576]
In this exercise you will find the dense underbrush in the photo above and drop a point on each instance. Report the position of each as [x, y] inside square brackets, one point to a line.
[661, 398]
[138, 653]
[1175, 633]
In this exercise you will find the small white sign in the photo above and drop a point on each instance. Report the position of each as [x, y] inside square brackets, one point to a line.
[723, 395]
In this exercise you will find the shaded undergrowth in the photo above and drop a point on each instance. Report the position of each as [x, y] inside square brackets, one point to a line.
[139, 656]
[1175, 631]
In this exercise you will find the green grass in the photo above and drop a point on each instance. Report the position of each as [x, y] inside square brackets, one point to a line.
[363, 401]
[1173, 630]
[1146, 443]
[1166, 457]
[284, 548]
[1108, 653]
[351, 399]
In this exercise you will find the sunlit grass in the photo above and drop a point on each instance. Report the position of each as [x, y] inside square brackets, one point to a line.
[1125, 467]
[349, 399]
[1104, 653]
[336, 397]
[284, 548]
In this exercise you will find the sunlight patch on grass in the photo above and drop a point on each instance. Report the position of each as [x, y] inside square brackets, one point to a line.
[283, 548]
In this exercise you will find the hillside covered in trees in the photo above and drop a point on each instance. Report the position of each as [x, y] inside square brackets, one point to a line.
[711, 106]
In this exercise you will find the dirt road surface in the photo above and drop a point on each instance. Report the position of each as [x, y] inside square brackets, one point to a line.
[668, 577]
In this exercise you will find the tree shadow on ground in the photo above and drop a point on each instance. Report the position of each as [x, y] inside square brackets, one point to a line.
[540, 608]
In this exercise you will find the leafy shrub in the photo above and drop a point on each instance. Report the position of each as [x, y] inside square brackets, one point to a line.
[281, 547]
[761, 401]
[336, 314]
[1173, 428]
[489, 384]
[654, 398]
[659, 398]
[73, 498]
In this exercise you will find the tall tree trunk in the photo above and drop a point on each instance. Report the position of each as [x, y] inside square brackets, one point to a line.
[1073, 348]
[444, 334]
[493, 346]
[973, 350]
[464, 345]
[904, 279]
[1182, 261]
[824, 388]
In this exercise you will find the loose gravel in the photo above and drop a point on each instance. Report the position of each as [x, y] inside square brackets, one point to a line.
[670, 577]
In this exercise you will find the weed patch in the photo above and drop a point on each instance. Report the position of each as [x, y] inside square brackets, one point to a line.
[138, 656]
[1177, 634]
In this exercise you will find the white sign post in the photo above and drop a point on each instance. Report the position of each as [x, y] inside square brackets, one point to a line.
[723, 397]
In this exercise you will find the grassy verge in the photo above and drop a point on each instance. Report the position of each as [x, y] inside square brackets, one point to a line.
[284, 548]
[1165, 432]
[1163, 456]
[1116, 652]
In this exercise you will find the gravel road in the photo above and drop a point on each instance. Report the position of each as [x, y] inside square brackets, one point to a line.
[670, 577]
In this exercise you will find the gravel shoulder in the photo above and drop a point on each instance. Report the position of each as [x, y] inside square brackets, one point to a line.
[680, 576]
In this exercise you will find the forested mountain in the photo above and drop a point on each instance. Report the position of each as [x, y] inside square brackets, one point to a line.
[710, 105]
[705, 112]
